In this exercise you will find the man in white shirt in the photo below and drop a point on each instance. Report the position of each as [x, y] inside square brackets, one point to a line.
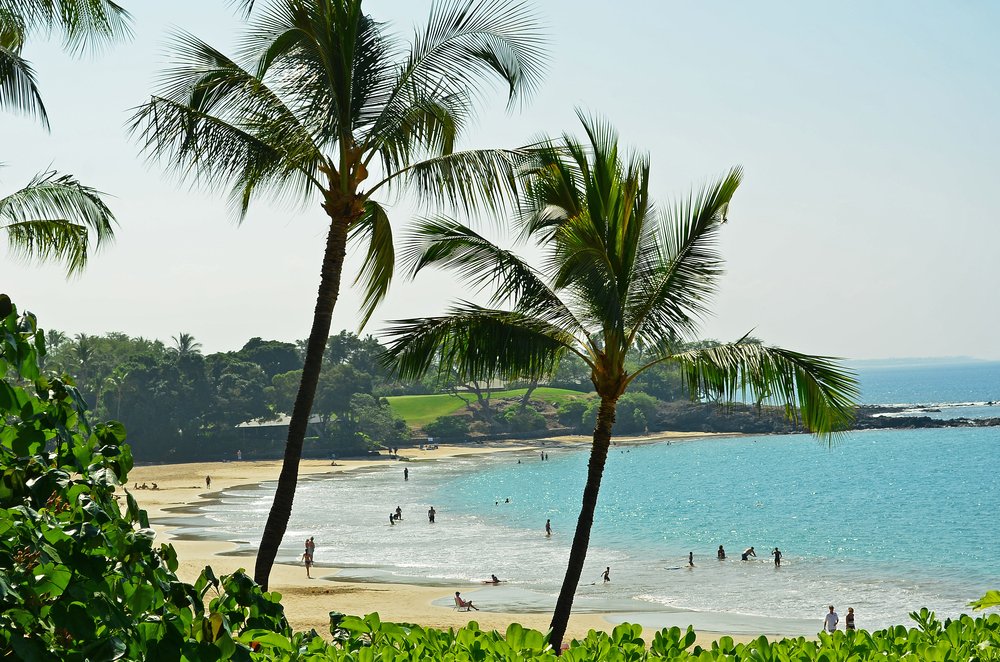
[831, 620]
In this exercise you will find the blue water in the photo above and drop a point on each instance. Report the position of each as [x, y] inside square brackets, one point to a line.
[884, 521]
[973, 382]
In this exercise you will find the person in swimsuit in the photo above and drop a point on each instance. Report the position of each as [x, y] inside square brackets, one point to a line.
[747, 553]
[849, 621]
[548, 527]
[721, 553]
[607, 574]
[690, 559]
[777, 557]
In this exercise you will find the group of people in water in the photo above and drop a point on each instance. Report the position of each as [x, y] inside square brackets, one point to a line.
[745, 556]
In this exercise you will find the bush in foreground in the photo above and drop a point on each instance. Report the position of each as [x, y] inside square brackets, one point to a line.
[81, 577]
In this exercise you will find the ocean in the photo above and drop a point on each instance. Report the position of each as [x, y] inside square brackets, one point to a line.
[884, 521]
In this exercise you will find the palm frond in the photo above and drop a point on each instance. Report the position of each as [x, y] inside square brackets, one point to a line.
[83, 24]
[814, 388]
[466, 180]
[328, 60]
[425, 123]
[446, 243]
[219, 125]
[476, 342]
[468, 43]
[56, 218]
[207, 150]
[18, 88]
[675, 285]
[380, 259]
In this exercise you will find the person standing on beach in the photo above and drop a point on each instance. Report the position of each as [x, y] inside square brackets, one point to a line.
[777, 557]
[208, 482]
[308, 560]
[548, 527]
[831, 620]
[721, 554]
[311, 547]
[392, 519]
[406, 473]
[607, 575]
[399, 513]
[747, 553]
[849, 619]
[430, 514]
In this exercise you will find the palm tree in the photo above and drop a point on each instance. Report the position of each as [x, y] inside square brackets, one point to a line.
[83, 24]
[55, 217]
[616, 275]
[321, 103]
[185, 345]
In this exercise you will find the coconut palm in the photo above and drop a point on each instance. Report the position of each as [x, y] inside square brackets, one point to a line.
[321, 104]
[616, 275]
[55, 217]
[185, 345]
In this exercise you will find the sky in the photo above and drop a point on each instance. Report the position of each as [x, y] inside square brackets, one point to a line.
[864, 227]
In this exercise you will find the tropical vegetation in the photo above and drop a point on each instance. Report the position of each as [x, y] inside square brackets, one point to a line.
[322, 104]
[617, 274]
[54, 218]
[82, 578]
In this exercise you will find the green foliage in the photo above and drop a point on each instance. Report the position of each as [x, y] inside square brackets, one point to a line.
[572, 412]
[366, 424]
[80, 575]
[527, 419]
[448, 427]
[635, 411]
[81, 578]
[991, 599]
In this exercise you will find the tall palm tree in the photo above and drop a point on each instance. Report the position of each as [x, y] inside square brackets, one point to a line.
[616, 275]
[55, 217]
[320, 103]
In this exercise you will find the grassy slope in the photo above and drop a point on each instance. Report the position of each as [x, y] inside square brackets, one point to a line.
[419, 410]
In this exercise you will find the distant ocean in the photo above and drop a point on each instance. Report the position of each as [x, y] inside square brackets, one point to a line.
[884, 521]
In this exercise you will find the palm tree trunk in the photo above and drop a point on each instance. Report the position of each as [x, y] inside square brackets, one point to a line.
[581, 540]
[326, 299]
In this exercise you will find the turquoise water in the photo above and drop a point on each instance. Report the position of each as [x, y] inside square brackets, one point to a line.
[884, 521]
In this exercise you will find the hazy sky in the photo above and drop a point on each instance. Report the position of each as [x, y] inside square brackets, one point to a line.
[866, 226]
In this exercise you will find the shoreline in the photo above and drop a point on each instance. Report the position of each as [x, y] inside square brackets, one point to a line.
[181, 495]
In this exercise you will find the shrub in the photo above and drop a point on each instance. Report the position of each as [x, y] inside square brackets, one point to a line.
[448, 427]
[527, 419]
[571, 413]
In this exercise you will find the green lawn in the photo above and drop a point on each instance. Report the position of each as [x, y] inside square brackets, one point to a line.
[419, 410]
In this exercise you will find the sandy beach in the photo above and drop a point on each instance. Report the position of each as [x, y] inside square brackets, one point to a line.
[182, 487]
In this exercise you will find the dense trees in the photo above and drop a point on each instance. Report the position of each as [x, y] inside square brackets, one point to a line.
[183, 405]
